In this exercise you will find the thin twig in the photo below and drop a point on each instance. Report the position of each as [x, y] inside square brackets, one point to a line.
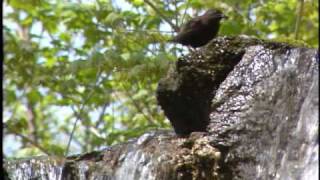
[136, 30]
[142, 30]
[75, 123]
[176, 12]
[173, 26]
[74, 139]
[185, 12]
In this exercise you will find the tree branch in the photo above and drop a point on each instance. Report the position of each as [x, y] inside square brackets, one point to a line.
[299, 15]
[100, 119]
[32, 124]
[35, 144]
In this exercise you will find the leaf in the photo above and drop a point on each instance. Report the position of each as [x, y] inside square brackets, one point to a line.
[137, 2]
[113, 18]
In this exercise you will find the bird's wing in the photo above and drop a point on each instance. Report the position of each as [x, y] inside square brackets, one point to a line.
[188, 30]
[193, 24]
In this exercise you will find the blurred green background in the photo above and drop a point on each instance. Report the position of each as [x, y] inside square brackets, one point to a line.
[99, 62]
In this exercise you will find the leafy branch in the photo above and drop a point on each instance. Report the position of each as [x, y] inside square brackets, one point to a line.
[78, 115]
[173, 26]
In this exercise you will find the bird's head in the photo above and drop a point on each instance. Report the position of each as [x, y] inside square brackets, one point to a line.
[215, 14]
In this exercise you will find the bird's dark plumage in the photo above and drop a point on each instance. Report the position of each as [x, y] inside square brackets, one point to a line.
[200, 30]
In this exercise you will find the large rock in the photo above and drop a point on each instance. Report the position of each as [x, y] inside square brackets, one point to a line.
[257, 101]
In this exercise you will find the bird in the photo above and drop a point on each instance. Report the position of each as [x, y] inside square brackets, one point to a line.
[200, 30]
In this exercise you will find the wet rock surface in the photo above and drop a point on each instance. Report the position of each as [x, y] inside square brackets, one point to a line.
[265, 114]
[159, 155]
[257, 102]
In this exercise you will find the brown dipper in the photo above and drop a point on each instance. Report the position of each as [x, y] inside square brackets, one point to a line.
[200, 30]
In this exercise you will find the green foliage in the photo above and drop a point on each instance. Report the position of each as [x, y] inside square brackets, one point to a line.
[100, 63]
